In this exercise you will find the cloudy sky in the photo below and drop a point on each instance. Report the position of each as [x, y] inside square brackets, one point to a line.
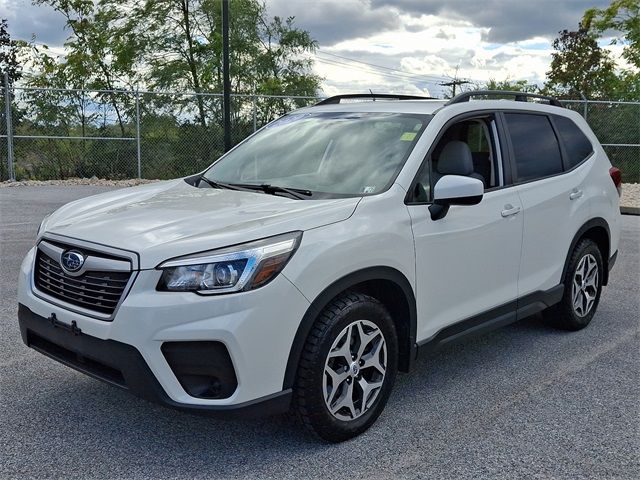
[402, 46]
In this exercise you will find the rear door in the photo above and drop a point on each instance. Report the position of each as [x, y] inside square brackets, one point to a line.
[553, 199]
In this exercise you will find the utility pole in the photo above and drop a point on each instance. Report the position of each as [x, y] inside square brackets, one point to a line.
[226, 79]
[455, 81]
[7, 104]
[138, 132]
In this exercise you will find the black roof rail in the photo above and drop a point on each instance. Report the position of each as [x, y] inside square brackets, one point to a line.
[373, 96]
[519, 96]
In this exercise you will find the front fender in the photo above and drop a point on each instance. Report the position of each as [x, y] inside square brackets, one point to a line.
[375, 243]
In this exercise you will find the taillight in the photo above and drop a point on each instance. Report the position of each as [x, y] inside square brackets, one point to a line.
[616, 176]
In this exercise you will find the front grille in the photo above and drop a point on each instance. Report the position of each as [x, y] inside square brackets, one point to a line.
[96, 291]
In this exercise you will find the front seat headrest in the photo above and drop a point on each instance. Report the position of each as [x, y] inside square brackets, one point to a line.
[455, 159]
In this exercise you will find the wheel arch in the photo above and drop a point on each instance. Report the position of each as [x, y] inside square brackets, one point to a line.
[389, 286]
[596, 229]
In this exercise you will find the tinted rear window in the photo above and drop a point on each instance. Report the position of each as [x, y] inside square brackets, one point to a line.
[576, 144]
[535, 146]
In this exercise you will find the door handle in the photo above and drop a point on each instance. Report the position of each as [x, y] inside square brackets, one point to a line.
[575, 194]
[510, 210]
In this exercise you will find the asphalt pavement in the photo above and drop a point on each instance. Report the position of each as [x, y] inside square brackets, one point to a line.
[525, 401]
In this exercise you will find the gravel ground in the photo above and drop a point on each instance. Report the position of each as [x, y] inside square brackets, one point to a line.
[630, 196]
[74, 182]
[523, 402]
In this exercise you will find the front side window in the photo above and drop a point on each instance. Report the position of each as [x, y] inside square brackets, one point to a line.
[326, 154]
[465, 148]
[535, 146]
[576, 143]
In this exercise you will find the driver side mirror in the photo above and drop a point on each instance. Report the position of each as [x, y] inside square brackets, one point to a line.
[455, 190]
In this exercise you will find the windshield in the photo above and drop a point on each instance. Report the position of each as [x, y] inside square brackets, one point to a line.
[324, 154]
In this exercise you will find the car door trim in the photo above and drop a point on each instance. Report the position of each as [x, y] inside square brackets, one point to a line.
[492, 319]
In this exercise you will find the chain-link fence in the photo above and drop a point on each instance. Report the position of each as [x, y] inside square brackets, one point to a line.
[116, 134]
[617, 126]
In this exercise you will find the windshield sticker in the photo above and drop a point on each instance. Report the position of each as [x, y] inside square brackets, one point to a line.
[408, 136]
[369, 189]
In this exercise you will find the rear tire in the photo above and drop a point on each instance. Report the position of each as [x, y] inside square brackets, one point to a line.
[582, 289]
[347, 368]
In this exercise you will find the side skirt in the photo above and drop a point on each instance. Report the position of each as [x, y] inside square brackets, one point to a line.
[492, 319]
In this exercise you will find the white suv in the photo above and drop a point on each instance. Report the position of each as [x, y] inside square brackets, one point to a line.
[308, 265]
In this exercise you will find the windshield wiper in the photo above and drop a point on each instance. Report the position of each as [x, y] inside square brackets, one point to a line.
[227, 186]
[264, 187]
[298, 193]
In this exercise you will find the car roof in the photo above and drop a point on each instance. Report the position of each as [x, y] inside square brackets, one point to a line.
[380, 106]
[430, 107]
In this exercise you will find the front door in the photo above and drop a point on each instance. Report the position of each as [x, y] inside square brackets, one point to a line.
[467, 262]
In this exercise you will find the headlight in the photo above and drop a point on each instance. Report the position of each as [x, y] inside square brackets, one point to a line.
[233, 269]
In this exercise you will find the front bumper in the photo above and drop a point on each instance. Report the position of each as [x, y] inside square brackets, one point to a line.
[122, 365]
[257, 329]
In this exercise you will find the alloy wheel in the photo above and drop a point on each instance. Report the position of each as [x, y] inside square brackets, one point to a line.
[585, 285]
[354, 370]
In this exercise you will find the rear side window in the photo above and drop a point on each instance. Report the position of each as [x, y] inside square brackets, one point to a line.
[576, 144]
[535, 146]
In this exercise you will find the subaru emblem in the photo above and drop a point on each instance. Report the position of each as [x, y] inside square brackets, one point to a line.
[72, 260]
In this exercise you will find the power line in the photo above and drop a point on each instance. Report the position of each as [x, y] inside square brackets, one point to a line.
[454, 82]
[381, 66]
[396, 76]
[384, 75]
[373, 72]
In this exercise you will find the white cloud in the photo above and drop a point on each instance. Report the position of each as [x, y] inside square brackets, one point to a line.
[433, 46]
[423, 39]
[27, 21]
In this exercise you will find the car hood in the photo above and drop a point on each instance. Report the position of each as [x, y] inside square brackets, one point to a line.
[169, 219]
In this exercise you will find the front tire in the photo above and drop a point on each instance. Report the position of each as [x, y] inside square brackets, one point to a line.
[347, 368]
[582, 289]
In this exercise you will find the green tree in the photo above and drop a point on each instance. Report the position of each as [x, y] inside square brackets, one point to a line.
[579, 66]
[182, 46]
[98, 56]
[10, 64]
[182, 50]
[509, 85]
[63, 103]
[49, 110]
[623, 17]
[169, 46]
[9, 54]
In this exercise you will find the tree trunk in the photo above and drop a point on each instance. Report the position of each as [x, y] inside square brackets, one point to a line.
[113, 102]
[205, 150]
[184, 6]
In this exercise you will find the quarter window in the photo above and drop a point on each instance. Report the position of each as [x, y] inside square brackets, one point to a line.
[535, 146]
[576, 144]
